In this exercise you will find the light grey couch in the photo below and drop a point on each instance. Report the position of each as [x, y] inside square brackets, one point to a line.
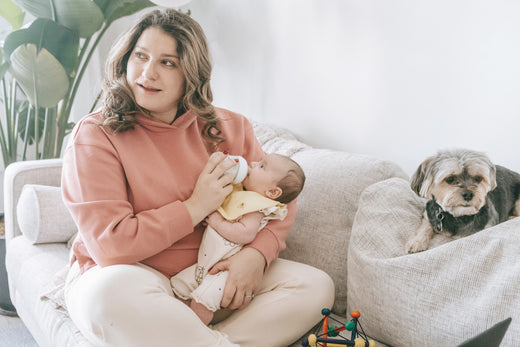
[38, 227]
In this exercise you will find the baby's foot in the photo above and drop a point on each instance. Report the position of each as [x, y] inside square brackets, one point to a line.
[202, 311]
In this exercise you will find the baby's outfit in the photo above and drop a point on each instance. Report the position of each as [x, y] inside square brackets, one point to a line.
[194, 282]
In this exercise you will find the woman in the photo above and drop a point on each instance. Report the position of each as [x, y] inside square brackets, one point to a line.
[138, 181]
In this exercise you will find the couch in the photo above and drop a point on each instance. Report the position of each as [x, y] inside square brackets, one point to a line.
[355, 214]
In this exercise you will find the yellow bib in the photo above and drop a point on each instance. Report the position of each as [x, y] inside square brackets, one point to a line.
[240, 202]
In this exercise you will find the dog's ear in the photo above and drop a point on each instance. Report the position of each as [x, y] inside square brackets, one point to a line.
[419, 176]
[492, 177]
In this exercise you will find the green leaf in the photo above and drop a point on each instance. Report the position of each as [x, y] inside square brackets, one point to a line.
[11, 13]
[171, 3]
[115, 9]
[39, 74]
[82, 16]
[60, 41]
[38, 8]
[22, 109]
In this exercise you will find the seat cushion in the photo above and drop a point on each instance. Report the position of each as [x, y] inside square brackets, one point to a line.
[32, 270]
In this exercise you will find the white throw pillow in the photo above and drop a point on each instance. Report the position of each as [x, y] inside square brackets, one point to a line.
[42, 215]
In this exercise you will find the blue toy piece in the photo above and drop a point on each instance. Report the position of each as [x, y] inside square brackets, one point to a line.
[324, 332]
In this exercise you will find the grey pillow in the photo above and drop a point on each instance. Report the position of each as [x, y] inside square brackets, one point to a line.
[442, 296]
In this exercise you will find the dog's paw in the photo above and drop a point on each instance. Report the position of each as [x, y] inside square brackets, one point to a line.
[417, 243]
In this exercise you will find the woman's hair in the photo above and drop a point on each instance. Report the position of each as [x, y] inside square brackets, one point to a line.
[292, 183]
[119, 105]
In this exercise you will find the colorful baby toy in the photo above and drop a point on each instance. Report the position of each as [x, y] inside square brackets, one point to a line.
[329, 336]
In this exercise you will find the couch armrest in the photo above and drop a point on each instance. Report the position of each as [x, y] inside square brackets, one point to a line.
[18, 174]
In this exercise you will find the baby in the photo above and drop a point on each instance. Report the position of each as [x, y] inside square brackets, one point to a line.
[269, 185]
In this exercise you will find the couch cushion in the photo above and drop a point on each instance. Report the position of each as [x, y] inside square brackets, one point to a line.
[445, 295]
[32, 270]
[326, 209]
[327, 205]
[42, 215]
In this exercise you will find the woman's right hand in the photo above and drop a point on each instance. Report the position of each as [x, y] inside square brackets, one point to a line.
[211, 188]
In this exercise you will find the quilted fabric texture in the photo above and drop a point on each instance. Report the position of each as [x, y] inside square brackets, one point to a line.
[42, 215]
[277, 140]
[442, 296]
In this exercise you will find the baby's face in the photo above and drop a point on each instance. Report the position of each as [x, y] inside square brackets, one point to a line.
[265, 174]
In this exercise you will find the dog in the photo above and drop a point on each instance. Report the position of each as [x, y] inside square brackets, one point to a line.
[466, 193]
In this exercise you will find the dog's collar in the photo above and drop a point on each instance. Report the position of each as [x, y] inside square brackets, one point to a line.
[436, 214]
[443, 221]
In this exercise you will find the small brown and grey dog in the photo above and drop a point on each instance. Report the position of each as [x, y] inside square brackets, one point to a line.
[466, 193]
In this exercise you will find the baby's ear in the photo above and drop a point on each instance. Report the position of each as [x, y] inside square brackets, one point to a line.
[274, 193]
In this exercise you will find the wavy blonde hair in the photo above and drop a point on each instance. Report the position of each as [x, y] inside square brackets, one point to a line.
[119, 105]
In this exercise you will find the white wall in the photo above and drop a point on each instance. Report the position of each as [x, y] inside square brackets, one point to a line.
[394, 79]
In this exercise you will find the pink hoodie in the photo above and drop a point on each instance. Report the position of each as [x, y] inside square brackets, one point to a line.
[125, 190]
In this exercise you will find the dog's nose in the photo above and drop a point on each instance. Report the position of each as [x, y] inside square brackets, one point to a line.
[467, 195]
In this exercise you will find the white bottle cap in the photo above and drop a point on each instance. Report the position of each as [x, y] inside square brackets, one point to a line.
[241, 168]
[239, 171]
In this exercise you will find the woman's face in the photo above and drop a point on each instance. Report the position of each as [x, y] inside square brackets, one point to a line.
[154, 74]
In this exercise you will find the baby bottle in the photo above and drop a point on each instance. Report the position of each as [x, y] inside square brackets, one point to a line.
[239, 171]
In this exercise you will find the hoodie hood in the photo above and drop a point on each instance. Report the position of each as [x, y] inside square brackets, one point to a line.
[151, 124]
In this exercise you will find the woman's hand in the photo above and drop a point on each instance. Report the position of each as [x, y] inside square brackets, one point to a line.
[211, 188]
[246, 270]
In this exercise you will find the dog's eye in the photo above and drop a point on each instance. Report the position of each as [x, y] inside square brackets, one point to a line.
[450, 179]
[478, 179]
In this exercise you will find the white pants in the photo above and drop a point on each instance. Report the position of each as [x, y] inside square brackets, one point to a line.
[195, 283]
[133, 305]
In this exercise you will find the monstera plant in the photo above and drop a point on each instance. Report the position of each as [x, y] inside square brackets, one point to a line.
[41, 67]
